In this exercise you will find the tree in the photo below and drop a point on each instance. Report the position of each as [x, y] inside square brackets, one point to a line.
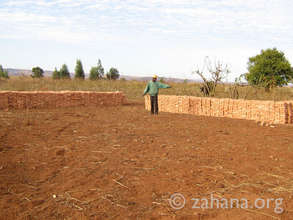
[269, 69]
[37, 72]
[113, 74]
[100, 69]
[97, 72]
[64, 73]
[3, 73]
[56, 74]
[94, 72]
[211, 74]
[79, 73]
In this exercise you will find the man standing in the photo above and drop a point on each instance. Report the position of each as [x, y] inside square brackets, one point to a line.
[153, 89]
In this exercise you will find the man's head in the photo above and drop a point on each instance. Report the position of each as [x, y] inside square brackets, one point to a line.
[155, 77]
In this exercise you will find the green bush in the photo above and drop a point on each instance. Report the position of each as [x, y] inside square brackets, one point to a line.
[269, 69]
[37, 72]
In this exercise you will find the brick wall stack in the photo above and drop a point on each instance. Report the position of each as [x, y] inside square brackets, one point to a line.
[272, 112]
[50, 99]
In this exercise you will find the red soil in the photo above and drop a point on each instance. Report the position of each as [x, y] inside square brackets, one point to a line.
[123, 163]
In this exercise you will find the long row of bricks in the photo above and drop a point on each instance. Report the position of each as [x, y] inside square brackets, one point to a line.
[52, 99]
[273, 112]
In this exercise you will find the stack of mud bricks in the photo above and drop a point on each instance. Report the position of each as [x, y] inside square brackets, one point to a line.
[272, 112]
[48, 99]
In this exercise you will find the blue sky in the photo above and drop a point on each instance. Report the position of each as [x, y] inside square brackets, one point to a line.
[142, 37]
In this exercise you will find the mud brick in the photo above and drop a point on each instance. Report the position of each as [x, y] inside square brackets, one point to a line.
[43, 100]
[277, 112]
[191, 106]
[254, 113]
[266, 113]
[221, 107]
[170, 103]
[12, 100]
[147, 103]
[93, 99]
[195, 105]
[162, 104]
[20, 101]
[260, 110]
[228, 108]
[248, 109]
[235, 108]
[271, 112]
[54, 96]
[176, 101]
[185, 104]
[198, 107]
[174, 104]
[283, 114]
[290, 112]
[120, 98]
[243, 109]
[264, 110]
[202, 106]
[4, 99]
[254, 110]
[206, 106]
[178, 104]
[216, 105]
[85, 99]
[213, 107]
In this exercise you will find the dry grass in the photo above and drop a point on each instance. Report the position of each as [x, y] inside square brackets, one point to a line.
[134, 89]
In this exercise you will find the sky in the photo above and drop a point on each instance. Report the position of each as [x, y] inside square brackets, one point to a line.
[170, 38]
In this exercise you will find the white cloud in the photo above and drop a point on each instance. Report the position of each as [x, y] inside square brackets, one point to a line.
[202, 24]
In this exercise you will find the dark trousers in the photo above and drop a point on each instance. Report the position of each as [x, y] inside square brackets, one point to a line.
[154, 104]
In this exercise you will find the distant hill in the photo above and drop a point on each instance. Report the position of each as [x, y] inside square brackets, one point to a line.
[23, 72]
[48, 73]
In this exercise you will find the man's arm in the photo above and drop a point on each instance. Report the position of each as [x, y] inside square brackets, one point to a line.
[146, 89]
[163, 86]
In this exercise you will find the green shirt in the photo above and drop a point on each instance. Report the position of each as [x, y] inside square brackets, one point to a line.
[153, 88]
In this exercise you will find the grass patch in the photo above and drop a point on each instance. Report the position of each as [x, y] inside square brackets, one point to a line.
[134, 89]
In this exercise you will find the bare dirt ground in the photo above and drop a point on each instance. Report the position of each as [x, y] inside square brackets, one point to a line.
[123, 163]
